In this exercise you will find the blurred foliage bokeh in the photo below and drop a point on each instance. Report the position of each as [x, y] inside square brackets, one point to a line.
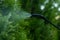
[15, 23]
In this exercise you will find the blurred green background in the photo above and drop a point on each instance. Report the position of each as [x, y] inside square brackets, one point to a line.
[15, 24]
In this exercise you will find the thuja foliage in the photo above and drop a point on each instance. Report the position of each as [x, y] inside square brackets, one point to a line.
[13, 29]
[15, 24]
